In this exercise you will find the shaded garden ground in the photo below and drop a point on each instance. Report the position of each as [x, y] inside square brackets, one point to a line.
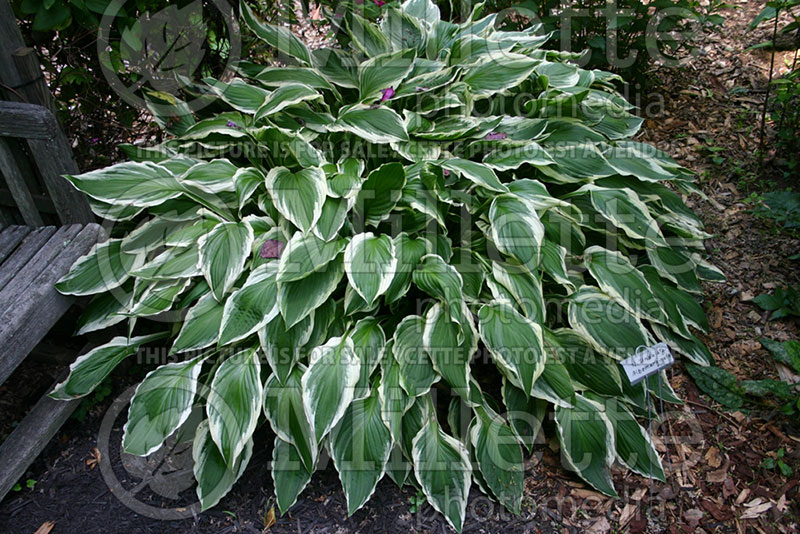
[709, 122]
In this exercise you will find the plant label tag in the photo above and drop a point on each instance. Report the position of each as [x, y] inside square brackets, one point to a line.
[647, 362]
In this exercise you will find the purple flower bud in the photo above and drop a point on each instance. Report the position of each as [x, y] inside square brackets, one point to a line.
[272, 248]
[420, 89]
[232, 124]
[379, 3]
[445, 172]
[495, 136]
[387, 94]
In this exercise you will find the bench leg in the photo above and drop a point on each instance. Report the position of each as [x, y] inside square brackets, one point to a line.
[30, 437]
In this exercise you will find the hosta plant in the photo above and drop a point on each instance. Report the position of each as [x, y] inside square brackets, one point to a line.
[407, 251]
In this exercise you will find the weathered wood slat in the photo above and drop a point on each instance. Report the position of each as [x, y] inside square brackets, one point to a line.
[24, 252]
[43, 204]
[16, 185]
[18, 286]
[42, 305]
[30, 437]
[30, 121]
[32, 85]
[11, 42]
[10, 237]
[53, 158]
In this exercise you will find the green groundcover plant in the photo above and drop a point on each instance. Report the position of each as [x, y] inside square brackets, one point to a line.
[407, 251]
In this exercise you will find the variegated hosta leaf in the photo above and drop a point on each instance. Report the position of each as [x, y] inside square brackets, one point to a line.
[617, 276]
[382, 125]
[499, 458]
[524, 288]
[496, 73]
[632, 443]
[380, 193]
[409, 252]
[370, 264]
[329, 383]
[585, 366]
[152, 298]
[554, 384]
[139, 184]
[234, 404]
[443, 469]
[587, 442]
[608, 326]
[212, 177]
[250, 307]
[289, 475]
[416, 370]
[161, 404]
[450, 346]
[298, 196]
[525, 413]
[91, 368]
[282, 346]
[367, 37]
[283, 406]
[333, 216]
[627, 212]
[149, 236]
[278, 37]
[239, 94]
[201, 325]
[394, 401]
[383, 72]
[506, 159]
[360, 447]
[477, 173]
[214, 476]
[369, 341]
[300, 298]
[516, 229]
[285, 96]
[305, 254]
[105, 267]
[173, 263]
[442, 281]
[223, 253]
[104, 310]
[515, 343]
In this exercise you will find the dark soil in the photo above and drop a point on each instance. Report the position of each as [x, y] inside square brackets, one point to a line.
[715, 483]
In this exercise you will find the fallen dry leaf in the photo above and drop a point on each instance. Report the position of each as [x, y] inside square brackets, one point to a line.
[742, 496]
[269, 519]
[717, 477]
[601, 526]
[627, 514]
[755, 508]
[713, 457]
[781, 504]
[46, 527]
[94, 458]
[728, 488]
[693, 517]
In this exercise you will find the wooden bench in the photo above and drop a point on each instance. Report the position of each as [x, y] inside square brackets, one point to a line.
[45, 225]
[31, 261]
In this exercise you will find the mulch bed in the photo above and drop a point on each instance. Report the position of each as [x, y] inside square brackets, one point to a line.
[716, 485]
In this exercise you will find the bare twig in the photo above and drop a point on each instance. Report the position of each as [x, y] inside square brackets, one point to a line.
[769, 86]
